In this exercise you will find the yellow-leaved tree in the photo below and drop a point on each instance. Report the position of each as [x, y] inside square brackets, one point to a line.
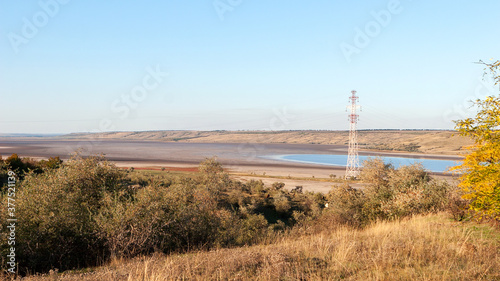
[480, 179]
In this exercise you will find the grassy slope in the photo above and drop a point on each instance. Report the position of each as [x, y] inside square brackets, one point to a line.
[422, 248]
[438, 142]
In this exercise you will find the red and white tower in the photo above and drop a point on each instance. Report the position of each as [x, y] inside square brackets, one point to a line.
[352, 168]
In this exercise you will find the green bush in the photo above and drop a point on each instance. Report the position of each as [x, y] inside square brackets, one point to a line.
[282, 203]
[15, 163]
[4, 170]
[159, 219]
[390, 194]
[213, 175]
[56, 212]
[256, 187]
[21, 166]
[252, 227]
[376, 172]
[51, 163]
[347, 204]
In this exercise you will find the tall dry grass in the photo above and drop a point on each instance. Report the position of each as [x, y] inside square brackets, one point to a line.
[425, 247]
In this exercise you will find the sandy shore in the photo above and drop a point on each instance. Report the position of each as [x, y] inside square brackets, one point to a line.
[244, 160]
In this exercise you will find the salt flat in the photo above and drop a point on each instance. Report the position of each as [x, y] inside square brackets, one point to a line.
[244, 160]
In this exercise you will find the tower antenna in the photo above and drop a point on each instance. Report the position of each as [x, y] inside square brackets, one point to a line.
[352, 168]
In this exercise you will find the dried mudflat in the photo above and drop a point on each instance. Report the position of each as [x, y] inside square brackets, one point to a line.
[244, 160]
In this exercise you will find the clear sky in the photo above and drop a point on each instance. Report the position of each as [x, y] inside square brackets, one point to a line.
[88, 66]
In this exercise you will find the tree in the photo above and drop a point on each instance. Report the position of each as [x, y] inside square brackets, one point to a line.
[51, 163]
[15, 163]
[213, 175]
[480, 180]
[376, 172]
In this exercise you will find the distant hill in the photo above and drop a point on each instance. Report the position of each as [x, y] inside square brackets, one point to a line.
[423, 141]
[2, 135]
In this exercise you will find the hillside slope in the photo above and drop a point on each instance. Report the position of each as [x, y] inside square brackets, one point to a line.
[427, 247]
[434, 142]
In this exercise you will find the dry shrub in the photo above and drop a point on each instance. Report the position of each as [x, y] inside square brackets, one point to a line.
[457, 206]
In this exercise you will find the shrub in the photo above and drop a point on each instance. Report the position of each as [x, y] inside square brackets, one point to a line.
[278, 185]
[376, 172]
[282, 203]
[297, 189]
[347, 204]
[457, 206]
[256, 186]
[4, 170]
[251, 228]
[51, 163]
[390, 194]
[15, 163]
[22, 166]
[57, 211]
[213, 175]
[159, 219]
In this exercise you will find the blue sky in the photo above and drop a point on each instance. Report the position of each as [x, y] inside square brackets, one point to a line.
[89, 66]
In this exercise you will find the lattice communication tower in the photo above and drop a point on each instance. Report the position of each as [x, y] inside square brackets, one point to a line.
[352, 168]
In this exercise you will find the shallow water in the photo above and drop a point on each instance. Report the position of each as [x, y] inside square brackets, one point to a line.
[431, 165]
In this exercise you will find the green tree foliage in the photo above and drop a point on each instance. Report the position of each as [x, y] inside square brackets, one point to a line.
[4, 169]
[213, 175]
[15, 163]
[347, 204]
[21, 166]
[57, 210]
[376, 172]
[480, 180]
[51, 163]
[172, 219]
[390, 194]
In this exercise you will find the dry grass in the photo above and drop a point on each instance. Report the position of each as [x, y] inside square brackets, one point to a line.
[435, 142]
[421, 248]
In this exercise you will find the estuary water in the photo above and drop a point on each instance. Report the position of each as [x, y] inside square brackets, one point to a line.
[432, 165]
